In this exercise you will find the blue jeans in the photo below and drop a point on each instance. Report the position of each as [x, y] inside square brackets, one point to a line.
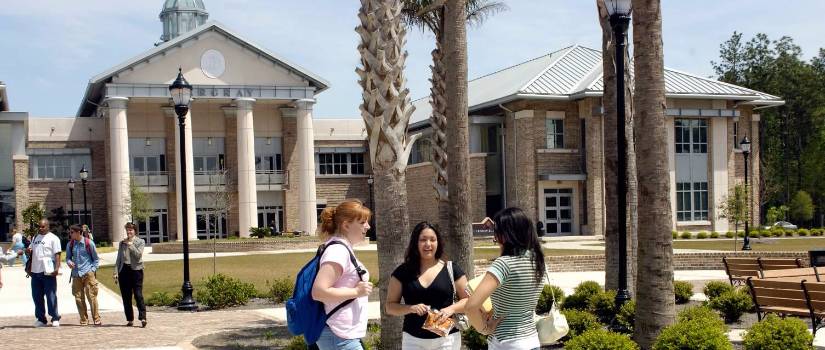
[330, 341]
[44, 286]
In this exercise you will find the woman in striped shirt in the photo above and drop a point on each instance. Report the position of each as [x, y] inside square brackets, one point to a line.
[513, 282]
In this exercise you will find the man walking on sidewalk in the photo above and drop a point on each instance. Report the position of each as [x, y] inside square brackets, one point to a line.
[45, 265]
[81, 256]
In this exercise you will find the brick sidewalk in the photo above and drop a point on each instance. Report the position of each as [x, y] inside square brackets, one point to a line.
[165, 329]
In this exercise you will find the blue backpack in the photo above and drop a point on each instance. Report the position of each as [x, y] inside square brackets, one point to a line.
[305, 315]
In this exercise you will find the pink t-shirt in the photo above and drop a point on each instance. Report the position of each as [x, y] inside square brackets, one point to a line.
[351, 321]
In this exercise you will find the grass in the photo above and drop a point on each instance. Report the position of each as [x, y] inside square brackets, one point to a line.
[768, 245]
[166, 276]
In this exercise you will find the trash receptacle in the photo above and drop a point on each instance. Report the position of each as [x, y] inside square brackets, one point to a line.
[817, 257]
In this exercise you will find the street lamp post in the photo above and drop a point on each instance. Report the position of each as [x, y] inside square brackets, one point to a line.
[745, 146]
[181, 93]
[619, 11]
[84, 176]
[71, 200]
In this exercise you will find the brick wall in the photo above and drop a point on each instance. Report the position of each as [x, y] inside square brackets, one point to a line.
[231, 145]
[558, 163]
[334, 190]
[478, 187]
[422, 204]
[171, 167]
[21, 188]
[290, 160]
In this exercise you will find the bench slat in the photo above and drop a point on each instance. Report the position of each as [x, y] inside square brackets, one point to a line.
[742, 260]
[814, 286]
[780, 293]
[804, 271]
[787, 310]
[776, 283]
[765, 302]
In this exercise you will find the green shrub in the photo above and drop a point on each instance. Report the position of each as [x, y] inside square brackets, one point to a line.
[729, 234]
[817, 232]
[702, 235]
[803, 232]
[740, 234]
[220, 291]
[732, 305]
[579, 322]
[703, 314]
[373, 339]
[714, 234]
[683, 291]
[474, 340]
[296, 343]
[581, 295]
[546, 298]
[777, 231]
[789, 233]
[693, 334]
[777, 333]
[674, 234]
[163, 299]
[600, 339]
[769, 233]
[685, 235]
[626, 317]
[714, 289]
[260, 232]
[603, 305]
[280, 290]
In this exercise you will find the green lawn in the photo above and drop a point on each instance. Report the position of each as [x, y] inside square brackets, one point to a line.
[763, 245]
[166, 276]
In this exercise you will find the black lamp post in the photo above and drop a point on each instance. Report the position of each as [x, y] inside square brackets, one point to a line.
[71, 200]
[370, 183]
[619, 11]
[84, 177]
[745, 146]
[181, 93]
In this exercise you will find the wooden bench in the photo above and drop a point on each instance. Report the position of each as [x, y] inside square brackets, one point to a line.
[739, 269]
[789, 297]
[801, 273]
[779, 264]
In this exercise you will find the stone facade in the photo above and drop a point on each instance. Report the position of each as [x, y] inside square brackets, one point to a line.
[290, 163]
[231, 151]
[171, 168]
[21, 187]
[421, 198]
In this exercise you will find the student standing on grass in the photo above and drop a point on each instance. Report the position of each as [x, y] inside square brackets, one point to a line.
[513, 282]
[339, 280]
[81, 256]
[424, 282]
[45, 266]
[129, 274]
[17, 245]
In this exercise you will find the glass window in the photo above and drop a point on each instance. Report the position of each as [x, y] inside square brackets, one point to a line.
[692, 201]
[356, 163]
[58, 166]
[340, 163]
[555, 133]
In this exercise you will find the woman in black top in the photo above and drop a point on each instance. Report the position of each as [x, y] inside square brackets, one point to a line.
[423, 281]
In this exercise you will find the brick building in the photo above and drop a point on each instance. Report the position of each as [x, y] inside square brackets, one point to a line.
[537, 142]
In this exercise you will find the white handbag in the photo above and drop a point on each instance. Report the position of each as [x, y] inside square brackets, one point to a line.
[553, 326]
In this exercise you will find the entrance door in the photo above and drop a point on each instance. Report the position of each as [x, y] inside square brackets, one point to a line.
[154, 229]
[558, 211]
[213, 221]
[271, 216]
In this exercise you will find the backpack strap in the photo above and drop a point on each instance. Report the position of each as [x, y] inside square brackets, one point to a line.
[361, 272]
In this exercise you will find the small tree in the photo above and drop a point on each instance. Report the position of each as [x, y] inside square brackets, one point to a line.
[802, 207]
[137, 205]
[777, 213]
[31, 216]
[219, 202]
[59, 222]
[735, 208]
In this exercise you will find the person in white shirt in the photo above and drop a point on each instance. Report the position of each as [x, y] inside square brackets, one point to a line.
[15, 249]
[45, 254]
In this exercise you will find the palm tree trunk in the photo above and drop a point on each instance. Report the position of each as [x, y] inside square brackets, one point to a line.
[655, 256]
[386, 110]
[438, 119]
[460, 245]
[611, 233]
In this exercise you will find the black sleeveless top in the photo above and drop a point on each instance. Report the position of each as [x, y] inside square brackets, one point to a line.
[438, 295]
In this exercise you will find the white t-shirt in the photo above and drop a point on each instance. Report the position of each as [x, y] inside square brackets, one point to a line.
[44, 247]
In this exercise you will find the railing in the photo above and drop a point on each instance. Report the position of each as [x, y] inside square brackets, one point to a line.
[210, 178]
[151, 178]
[271, 177]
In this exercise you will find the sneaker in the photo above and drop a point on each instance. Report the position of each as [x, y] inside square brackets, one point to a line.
[129, 324]
[143, 323]
[55, 323]
[98, 323]
[38, 324]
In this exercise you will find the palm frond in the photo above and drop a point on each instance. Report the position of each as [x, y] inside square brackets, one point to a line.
[479, 10]
[412, 19]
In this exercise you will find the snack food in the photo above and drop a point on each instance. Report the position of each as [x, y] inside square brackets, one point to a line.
[440, 327]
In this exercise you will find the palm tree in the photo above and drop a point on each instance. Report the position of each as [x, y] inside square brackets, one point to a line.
[611, 233]
[655, 261]
[386, 110]
[447, 21]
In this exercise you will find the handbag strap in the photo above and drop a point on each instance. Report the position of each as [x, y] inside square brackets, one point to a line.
[552, 293]
[452, 278]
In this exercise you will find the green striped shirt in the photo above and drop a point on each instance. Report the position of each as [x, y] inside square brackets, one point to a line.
[516, 296]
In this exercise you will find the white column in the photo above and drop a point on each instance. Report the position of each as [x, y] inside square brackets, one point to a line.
[307, 202]
[247, 186]
[189, 172]
[671, 164]
[18, 138]
[719, 162]
[119, 198]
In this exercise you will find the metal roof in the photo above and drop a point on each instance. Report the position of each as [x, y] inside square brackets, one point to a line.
[575, 72]
[97, 83]
[184, 5]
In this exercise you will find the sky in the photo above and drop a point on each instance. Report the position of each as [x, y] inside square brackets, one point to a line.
[50, 48]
